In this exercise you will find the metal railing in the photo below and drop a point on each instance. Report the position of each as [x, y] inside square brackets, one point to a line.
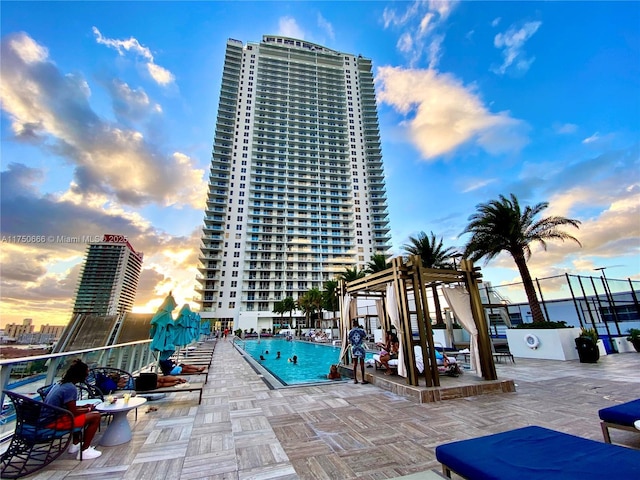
[36, 371]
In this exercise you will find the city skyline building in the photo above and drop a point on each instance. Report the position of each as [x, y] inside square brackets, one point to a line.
[109, 277]
[296, 187]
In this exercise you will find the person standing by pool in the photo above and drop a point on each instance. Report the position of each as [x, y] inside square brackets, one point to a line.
[356, 337]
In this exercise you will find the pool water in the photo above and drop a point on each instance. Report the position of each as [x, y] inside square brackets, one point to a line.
[313, 364]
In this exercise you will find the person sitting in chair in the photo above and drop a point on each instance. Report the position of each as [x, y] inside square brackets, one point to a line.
[64, 395]
[389, 351]
[169, 367]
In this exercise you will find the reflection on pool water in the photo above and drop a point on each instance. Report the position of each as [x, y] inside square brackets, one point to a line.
[313, 364]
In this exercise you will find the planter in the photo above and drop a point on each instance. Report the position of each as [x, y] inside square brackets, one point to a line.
[543, 343]
[588, 351]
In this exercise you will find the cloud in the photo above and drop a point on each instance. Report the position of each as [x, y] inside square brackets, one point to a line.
[161, 75]
[593, 138]
[565, 128]
[496, 21]
[478, 184]
[39, 278]
[128, 103]
[603, 192]
[51, 110]
[512, 42]
[325, 25]
[420, 28]
[443, 114]
[288, 27]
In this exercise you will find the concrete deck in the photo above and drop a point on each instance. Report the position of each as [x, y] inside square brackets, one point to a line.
[245, 430]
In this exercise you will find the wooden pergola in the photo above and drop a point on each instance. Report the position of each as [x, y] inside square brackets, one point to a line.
[410, 282]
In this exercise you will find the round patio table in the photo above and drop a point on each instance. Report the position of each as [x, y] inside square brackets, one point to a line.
[119, 430]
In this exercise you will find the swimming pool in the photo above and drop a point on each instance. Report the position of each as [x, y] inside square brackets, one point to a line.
[313, 364]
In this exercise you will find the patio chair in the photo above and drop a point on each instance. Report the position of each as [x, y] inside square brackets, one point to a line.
[533, 453]
[451, 368]
[622, 416]
[109, 380]
[41, 435]
[85, 391]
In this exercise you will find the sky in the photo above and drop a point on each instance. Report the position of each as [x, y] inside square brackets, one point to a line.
[108, 115]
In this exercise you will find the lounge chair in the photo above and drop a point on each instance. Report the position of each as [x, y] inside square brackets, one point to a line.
[534, 453]
[622, 416]
[452, 368]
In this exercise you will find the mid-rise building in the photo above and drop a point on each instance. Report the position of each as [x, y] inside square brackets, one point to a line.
[14, 330]
[296, 185]
[109, 277]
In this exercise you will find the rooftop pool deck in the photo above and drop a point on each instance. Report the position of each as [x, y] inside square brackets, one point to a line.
[246, 430]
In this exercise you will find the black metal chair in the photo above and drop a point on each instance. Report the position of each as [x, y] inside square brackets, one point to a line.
[42, 433]
[109, 380]
[85, 391]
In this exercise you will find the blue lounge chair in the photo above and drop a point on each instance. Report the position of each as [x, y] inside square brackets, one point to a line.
[621, 416]
[534, 453]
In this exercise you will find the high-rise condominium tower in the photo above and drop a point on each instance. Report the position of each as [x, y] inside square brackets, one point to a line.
[109, 277]
[296, 187]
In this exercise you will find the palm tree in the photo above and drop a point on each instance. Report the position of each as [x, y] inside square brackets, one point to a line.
[316, 299]
[433, 255]
[289, 305]
[351, 273]
[378, 263]
[329, 295]
[304, 304]
[430, 250]
[278, 307]
[501, 225]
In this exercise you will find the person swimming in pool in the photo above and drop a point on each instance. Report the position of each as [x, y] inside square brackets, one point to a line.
[294, 359]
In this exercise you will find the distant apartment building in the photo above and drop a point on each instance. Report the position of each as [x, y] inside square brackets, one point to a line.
[14, 330]
[296, 185]
[109, 277]
[25, 332]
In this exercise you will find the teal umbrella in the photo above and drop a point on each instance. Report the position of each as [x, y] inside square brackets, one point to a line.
[205, 327]
[186, 327]
[162, 325]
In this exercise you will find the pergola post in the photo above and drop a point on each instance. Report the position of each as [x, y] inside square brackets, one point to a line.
[477, 310]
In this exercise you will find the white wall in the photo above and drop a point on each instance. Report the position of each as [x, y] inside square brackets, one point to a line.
[555, 343]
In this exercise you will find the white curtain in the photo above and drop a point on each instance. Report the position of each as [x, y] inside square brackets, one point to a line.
[460, 302]
[394, 316]
[345, 325]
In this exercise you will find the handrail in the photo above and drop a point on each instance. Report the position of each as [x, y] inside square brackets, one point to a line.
[133, 357]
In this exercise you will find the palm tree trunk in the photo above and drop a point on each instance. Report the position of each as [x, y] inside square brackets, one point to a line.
[529, 288]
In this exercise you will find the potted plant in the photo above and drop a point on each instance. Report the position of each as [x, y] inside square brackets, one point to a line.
[587, 346]
[634, 338]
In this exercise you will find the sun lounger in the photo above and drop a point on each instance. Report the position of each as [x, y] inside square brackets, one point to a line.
[534, 453]
[621, 416]
[181, 387]
[393, 364]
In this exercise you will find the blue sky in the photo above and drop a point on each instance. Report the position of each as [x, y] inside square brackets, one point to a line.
[108, 115]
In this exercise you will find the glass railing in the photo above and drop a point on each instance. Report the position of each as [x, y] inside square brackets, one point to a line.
[26, 374]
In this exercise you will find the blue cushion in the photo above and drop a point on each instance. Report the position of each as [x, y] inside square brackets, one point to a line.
[622, 414]
[40, 434]
[534, 453]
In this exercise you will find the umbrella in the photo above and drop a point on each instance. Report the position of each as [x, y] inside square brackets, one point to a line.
[185, 327]
[161, 331]
[205, 327]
